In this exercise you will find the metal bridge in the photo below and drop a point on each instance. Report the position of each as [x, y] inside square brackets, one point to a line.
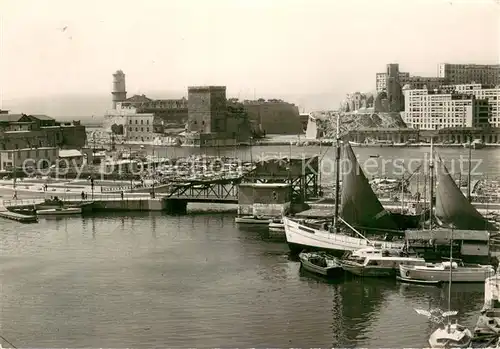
[216, 191]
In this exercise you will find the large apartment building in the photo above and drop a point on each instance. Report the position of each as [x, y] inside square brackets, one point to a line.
[487, 74]
[489, 93]
[435, 109]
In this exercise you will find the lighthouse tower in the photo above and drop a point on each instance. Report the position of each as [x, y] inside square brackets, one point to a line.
[119, 92]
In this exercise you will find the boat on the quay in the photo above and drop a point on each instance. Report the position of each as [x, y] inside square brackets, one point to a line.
[375, 262]
[321, 264]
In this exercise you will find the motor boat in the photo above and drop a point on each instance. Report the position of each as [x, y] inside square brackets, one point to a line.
[440, 272]
[59, 211]
[320, 263]
[378, 262]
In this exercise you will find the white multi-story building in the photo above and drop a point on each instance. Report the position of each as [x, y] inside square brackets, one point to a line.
[488, 74]
[491, 94]
[435, 109]
[139, 127]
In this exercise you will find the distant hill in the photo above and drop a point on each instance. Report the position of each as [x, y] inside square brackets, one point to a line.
[83, 107]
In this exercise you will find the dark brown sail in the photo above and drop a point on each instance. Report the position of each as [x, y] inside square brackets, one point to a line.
[452, 207]
[360, 206]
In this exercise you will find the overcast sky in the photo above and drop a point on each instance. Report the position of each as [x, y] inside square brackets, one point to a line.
[288, 46]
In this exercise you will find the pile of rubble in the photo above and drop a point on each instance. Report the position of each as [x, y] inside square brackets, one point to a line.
[327, 121]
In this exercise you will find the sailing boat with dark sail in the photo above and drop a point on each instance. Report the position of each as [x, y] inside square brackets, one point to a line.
[360, 207]
[453, 208]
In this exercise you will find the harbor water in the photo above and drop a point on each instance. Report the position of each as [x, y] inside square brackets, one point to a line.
[390, 161]
[151, 279]
[144, 280]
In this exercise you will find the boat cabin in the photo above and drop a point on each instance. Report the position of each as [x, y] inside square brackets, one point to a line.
[471, 246]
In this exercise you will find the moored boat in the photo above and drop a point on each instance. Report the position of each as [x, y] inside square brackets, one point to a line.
[252, 220]
[488, 322]
[276, 225]
[475, 144]
[59, 211]
[374, 262]
[451, 336]
[300, 236]
[439, 272]
[321, 264]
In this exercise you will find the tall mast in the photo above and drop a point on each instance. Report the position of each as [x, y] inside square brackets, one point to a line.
[431, 182]
[451, 271]
[469, 169]
[337, 178]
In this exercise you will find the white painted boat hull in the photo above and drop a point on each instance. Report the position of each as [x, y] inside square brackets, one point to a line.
[277, 227]
[451, 336]
[300, 237]
[247, 220]
[465, 274]
[62, 212]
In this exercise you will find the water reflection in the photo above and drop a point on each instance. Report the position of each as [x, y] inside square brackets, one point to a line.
[93, 228]
[153, 226]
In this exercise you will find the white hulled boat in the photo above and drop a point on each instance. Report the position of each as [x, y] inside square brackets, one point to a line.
[62, 211]
[378, 262]
[439, 272]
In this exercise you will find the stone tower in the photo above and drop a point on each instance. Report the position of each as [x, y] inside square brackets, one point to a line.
[119, 92]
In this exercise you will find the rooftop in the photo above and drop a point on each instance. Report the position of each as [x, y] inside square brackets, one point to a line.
[10, 117]
[42, 117]
[208, 87]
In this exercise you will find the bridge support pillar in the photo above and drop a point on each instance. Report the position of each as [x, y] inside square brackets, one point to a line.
[176, 206]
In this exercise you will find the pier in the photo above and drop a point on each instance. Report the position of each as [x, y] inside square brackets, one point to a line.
[13, 216]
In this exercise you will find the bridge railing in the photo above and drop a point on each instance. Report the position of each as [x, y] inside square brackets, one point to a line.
[72, 198]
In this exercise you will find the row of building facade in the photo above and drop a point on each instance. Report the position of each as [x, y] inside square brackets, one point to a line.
[35, 138]
[19, 131]
[461, 95]
[463, 105]
[457, 135]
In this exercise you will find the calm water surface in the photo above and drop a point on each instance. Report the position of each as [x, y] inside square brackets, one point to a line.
[144, 280]
[456, 159]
